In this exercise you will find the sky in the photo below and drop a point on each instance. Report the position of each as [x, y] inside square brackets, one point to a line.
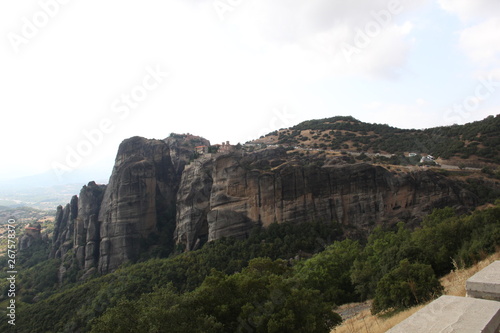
[79, 77]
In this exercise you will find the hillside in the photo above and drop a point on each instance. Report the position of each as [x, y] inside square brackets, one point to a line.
[232, 285]
[479, 140]
[267, 236]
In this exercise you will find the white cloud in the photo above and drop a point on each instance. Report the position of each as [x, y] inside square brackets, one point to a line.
[472, 9]
[316, 33]
[480, 40]
[406, 28]
[420, 101]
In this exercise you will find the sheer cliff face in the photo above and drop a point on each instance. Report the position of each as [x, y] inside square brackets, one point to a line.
[268, 187]
[193, 203]
[141, 194]
[153, 186]
[105, 224]
[87, 233]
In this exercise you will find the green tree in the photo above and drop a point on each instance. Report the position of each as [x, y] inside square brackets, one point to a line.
[329, 271]
[264, 297]
[123, 318]
[440, 238]
[405, 286]
[384, 251]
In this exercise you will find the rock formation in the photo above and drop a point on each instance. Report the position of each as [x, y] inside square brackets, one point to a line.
[31, 236]
[160, 193]
[141, 190]
[193, 203]
[64, 228]
[106, 225]
[87, 229]
[267, 187]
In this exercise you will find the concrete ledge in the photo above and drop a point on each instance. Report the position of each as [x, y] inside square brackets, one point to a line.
[453, 314]
[485, 284]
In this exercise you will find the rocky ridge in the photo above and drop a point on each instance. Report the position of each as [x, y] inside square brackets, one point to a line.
[161, 194]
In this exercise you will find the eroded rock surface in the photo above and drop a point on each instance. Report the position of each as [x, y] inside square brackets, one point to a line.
[267, 187]
[161, 192]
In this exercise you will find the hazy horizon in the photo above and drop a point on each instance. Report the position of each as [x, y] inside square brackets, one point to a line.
[79, 78]
[102, 169]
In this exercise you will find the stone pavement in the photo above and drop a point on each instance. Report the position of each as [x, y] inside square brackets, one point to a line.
[479, 312]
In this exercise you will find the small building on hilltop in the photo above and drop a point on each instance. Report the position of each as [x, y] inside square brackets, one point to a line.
[427, 159]
[201, 149]
[225, 147]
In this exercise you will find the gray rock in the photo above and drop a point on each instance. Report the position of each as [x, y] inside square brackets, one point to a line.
[485, 284]
[141, 189]
[193, 203]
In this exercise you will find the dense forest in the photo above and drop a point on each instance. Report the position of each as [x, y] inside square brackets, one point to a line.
[286, 278]
[480, 138]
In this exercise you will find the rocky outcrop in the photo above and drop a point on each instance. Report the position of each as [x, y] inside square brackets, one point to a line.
[142, 188]
[108, 225]
[181, 148]
[31, 236]
[160, 193]
[87, 229]
[64, 226]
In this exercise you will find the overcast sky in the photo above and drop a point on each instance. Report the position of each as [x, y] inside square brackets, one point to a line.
[78, 77]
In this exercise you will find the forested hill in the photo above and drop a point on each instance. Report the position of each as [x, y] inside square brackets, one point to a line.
[252, 285]
[336, 231]
[480, 139]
